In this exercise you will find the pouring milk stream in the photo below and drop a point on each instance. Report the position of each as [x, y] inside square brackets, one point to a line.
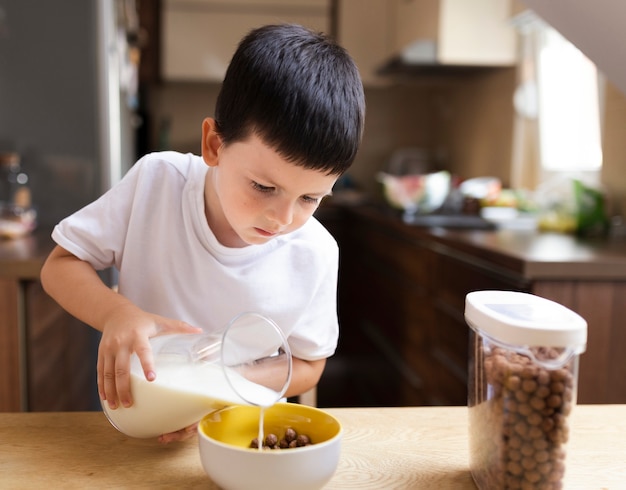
[249, 364]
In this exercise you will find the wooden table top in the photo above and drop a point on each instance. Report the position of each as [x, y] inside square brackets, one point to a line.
[382, 448]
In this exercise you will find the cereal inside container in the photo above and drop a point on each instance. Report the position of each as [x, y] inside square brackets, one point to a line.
[523, 376]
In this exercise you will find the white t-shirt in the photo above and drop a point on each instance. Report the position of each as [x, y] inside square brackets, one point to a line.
[152, 228]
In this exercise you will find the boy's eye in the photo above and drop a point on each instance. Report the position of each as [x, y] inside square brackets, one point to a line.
[268, 189]
[310, 200]
[261, 188]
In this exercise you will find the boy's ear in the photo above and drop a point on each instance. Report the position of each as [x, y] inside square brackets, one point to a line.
[211, 142]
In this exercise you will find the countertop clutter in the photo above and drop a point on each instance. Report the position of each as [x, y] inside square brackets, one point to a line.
[531, 254]
[382, 448]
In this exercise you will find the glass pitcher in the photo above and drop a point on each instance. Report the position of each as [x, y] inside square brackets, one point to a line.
[248, 364]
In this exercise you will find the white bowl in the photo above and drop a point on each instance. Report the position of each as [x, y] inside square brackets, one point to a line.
[224, 441]
[423, 193]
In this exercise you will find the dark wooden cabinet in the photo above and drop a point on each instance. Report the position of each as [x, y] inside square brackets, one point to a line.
[402, 298]
[603, 304]
[384, 305]
[47, 357]
[10, 390]
[61, 356]
[456, 275]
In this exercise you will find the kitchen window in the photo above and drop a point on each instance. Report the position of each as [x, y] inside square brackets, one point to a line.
[568, 106]
[558, 107]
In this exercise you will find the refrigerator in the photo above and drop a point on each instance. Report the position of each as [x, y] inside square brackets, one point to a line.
[68, 97]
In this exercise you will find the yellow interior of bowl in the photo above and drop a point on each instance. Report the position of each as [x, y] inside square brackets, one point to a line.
[238, 425]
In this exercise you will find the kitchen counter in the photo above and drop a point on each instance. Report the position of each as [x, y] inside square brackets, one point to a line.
[402, 448]
[22, 258]
[531, 254]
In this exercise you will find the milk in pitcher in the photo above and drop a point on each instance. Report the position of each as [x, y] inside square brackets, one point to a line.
[180, 396]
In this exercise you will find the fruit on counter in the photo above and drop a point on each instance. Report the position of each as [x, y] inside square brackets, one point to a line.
[402, 191]
[416, 192]
[519, 199]
[559, 221]
[504, 198]
[569, 205]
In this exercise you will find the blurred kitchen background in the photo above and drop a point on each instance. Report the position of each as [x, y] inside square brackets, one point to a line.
[525, 95]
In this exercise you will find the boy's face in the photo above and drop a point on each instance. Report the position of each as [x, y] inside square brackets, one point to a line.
[252, 194]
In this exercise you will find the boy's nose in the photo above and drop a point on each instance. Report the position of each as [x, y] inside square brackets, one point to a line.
[282, 213]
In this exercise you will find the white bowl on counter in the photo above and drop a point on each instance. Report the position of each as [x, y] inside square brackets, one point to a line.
[509, 218]
[227, 458]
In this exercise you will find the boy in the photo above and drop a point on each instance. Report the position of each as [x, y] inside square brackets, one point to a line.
[198, 240]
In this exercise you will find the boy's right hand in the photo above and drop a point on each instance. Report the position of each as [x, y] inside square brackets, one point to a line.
[128, 329]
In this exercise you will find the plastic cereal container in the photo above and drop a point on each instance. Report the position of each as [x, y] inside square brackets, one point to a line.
[523, 378]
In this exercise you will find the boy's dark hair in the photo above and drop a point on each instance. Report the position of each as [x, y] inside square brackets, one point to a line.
[299, 92]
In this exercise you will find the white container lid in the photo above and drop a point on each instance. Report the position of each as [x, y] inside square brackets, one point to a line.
[524, 319]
